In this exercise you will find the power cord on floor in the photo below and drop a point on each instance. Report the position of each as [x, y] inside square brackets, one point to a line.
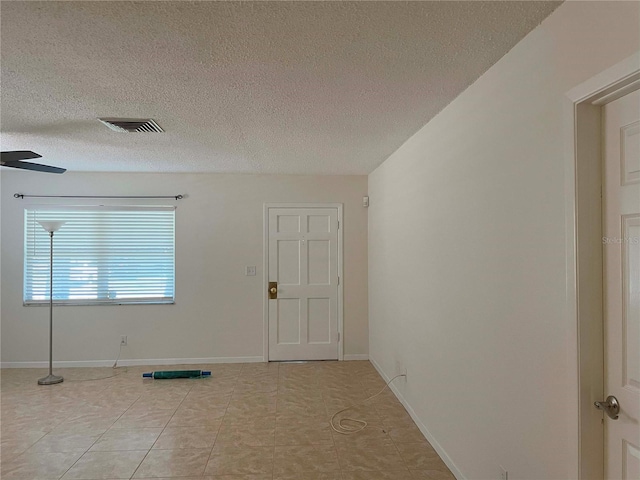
[350, 429]
[115, 366]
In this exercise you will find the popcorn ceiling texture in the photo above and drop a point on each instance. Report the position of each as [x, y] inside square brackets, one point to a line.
[248, 87]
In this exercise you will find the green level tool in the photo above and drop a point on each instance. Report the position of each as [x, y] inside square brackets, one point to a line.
[168, 374]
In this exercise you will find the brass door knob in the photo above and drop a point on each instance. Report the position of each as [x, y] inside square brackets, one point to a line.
[273, 290]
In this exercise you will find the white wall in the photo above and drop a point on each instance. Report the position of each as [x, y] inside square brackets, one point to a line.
[467, 254]
[219, 231]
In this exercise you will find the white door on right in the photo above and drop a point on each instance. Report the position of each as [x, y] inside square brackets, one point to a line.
[621, 247]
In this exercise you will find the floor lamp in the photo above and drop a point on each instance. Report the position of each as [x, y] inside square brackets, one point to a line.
[51, 378]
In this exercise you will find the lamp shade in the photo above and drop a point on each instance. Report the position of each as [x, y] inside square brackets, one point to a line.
[51, 226]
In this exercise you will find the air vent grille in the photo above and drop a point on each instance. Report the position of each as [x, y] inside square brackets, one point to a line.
[132, 125]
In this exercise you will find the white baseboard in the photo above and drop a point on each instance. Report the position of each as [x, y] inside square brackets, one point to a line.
[356, 356]
[425, 431]
[132, 362]
[153, 361]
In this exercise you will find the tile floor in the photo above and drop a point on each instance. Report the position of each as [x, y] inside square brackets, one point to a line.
[247, 422]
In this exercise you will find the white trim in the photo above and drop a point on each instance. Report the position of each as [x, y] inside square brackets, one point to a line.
[612, 77]
[571, 305]
[425, 431]
[132, 362]
[265, 271]
[265, 283]
[605, 85]
[340, 284]
[619, 92]
[355, 356]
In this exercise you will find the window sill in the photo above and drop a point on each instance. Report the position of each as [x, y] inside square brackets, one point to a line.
[97, 304]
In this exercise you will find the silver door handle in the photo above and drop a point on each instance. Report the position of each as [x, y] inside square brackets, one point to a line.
[610, 406]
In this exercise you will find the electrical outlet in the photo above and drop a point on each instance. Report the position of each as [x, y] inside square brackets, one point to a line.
[504, 475]
[251, 271]
[123, 340]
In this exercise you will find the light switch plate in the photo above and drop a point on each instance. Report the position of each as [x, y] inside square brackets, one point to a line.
[251, 271]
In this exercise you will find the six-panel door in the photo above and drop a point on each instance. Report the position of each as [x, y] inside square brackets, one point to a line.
[303, 260]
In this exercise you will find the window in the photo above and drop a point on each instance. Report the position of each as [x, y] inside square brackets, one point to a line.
[102, 255]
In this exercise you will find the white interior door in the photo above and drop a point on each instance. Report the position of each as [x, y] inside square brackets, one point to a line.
[621, 243]
[303, 261]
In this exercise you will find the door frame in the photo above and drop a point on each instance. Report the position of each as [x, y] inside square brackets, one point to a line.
[265, 270]
[584, 262]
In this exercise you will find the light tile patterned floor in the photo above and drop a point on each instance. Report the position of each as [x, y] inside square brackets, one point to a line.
[253, 421]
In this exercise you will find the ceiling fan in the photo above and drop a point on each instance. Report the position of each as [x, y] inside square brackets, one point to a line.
[15, 159]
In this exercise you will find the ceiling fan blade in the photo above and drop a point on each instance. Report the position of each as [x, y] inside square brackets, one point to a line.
[36, 167]
[18, 155]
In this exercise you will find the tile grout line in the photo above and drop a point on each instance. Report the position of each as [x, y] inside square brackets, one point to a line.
[328, 419]
[163, 429]
[275, 425]
[221, 421]
[99, 436]
[49, 432]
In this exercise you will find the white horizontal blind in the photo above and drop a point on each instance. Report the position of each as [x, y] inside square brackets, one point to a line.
[102, 255]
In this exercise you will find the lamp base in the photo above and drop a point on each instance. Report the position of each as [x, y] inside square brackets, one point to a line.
[50, 380]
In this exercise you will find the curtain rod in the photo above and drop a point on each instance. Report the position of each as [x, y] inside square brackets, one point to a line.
[23, 195]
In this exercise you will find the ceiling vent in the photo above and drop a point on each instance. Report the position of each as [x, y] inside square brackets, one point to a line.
[132, 125]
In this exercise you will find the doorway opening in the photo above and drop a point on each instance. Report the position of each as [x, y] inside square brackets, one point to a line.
[585, 265]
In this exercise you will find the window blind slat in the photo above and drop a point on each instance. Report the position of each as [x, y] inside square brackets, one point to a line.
[101, 255]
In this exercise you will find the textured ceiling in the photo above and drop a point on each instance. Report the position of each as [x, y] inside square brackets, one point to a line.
[253, 87]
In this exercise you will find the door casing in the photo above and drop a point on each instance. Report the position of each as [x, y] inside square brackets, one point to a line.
[265, 270]
[584, 285]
